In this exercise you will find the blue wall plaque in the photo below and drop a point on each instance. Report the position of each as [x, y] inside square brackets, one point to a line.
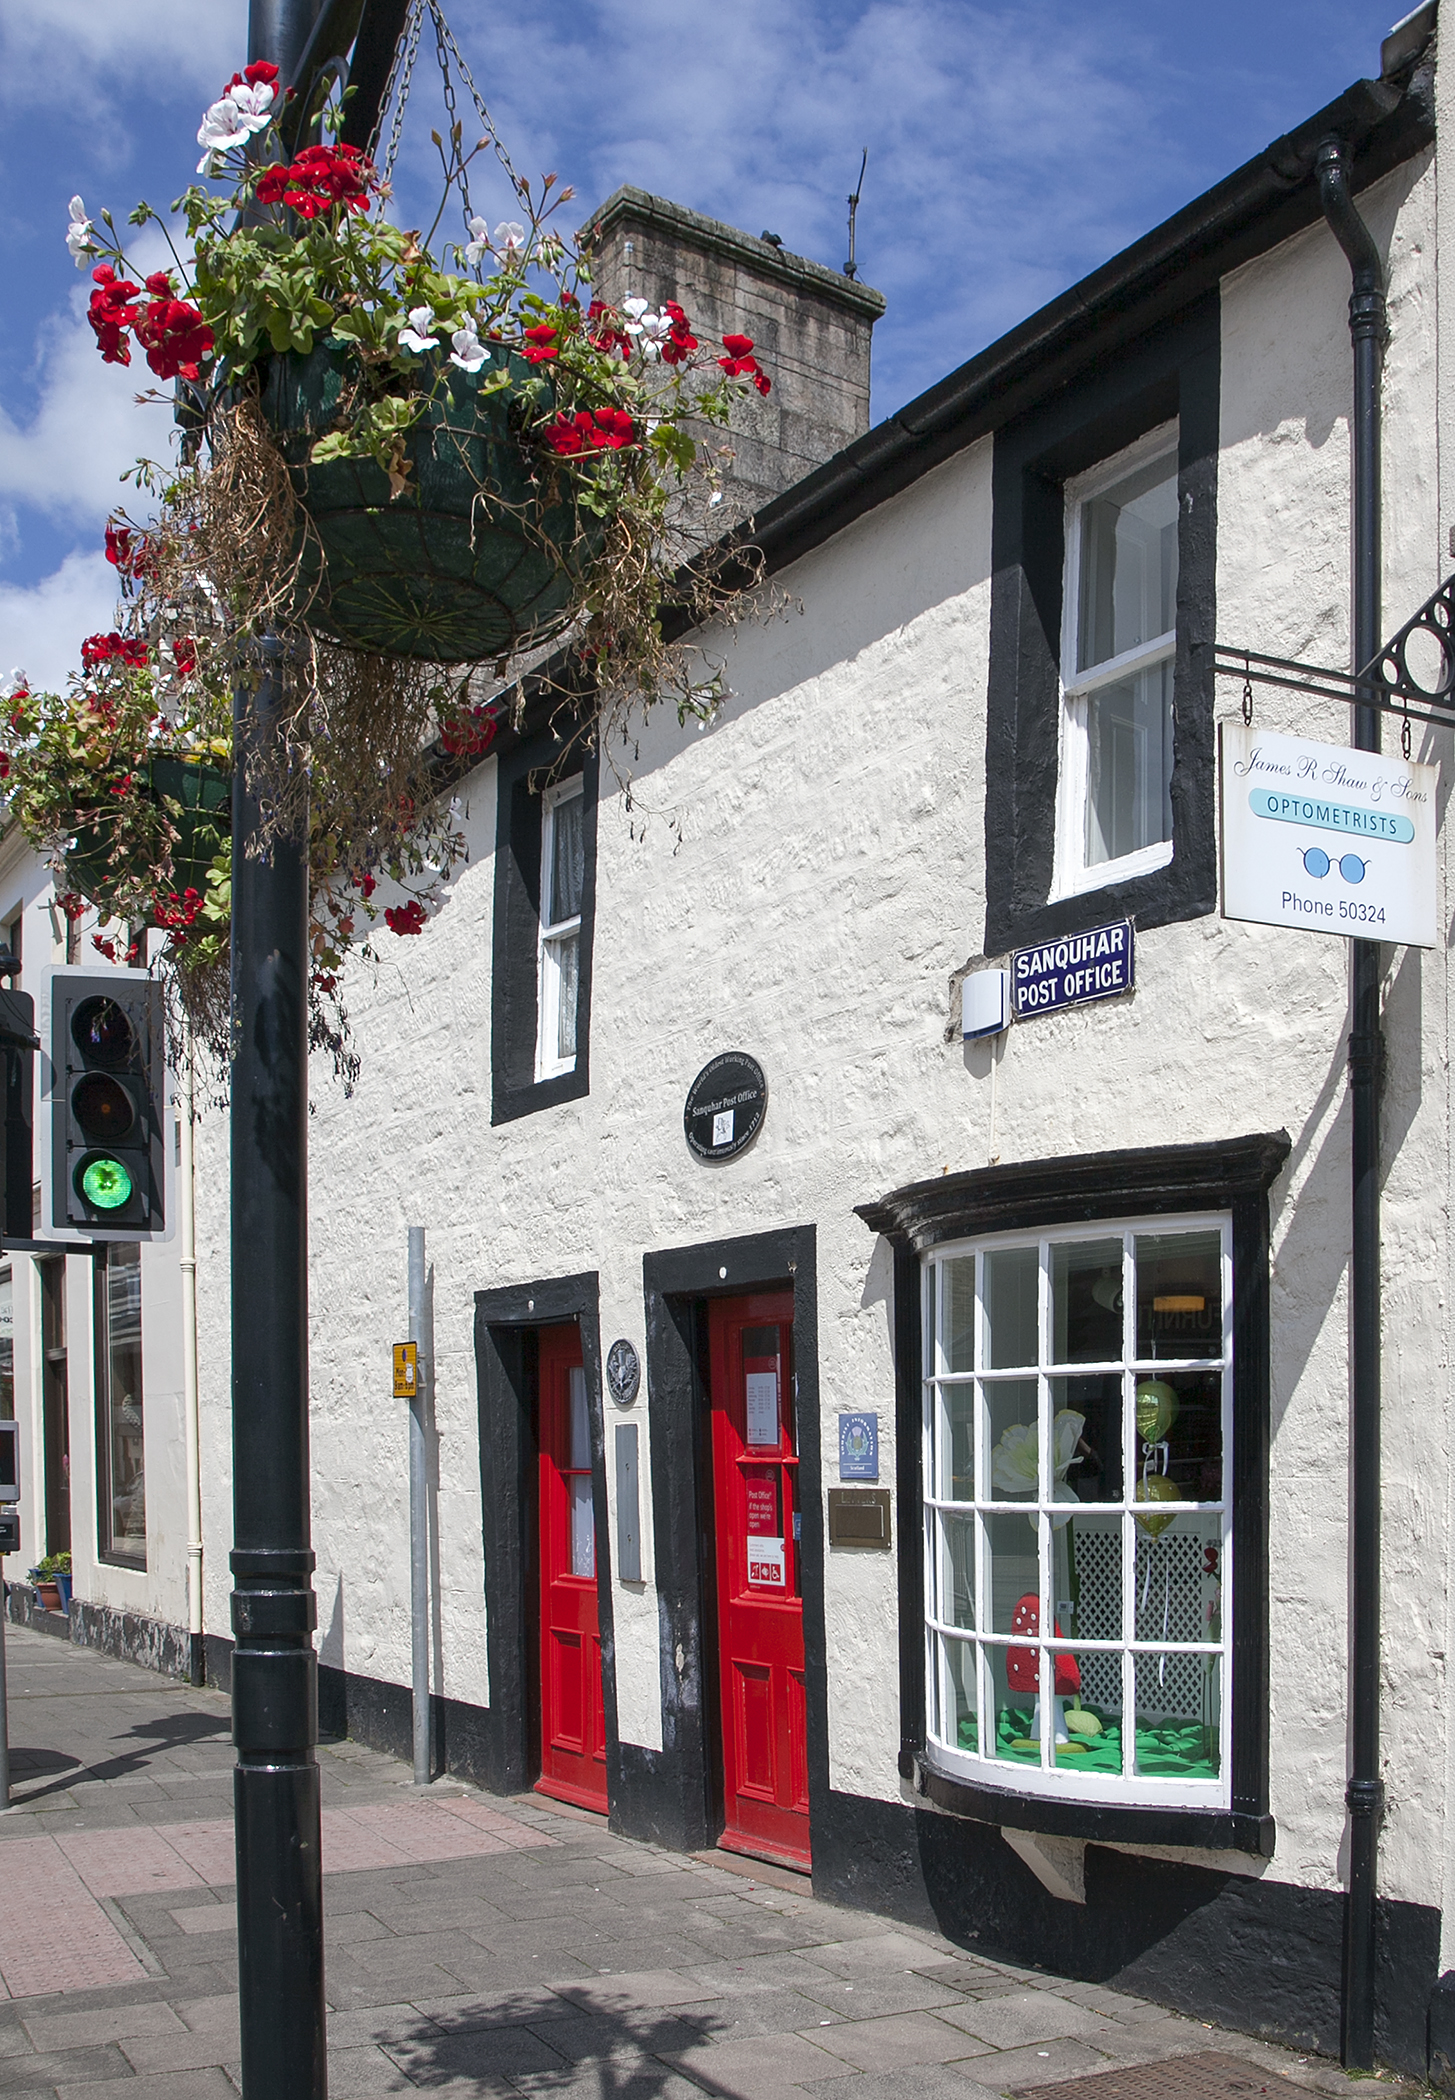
[1097, 964]
[858, 1447]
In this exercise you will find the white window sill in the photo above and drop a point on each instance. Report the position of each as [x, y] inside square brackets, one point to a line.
[1100, 1789]
[1106, 872]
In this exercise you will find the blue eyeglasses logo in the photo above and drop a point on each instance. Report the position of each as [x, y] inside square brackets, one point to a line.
[1318, 864]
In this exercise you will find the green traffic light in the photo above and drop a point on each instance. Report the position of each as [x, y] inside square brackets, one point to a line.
[106, 1183]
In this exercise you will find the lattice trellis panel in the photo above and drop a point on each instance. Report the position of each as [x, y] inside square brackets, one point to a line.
[1170, 1607]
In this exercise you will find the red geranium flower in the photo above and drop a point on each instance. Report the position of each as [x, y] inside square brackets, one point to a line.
[405, 918]
[174, 336]
[318, 179]
[607, 333]
[541, 344]
[590, 430]
[681, 342]
[118, 547]
[112, 312]
[740, 362]
[184, 656]
[469, 734]
[106, 648]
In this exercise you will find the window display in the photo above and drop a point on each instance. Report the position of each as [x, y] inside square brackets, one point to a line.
[1077, 1422]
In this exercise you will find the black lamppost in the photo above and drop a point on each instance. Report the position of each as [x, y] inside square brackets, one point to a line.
[274, 1669]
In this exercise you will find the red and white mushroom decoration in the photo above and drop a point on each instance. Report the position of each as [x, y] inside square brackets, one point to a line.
[1023, 1668]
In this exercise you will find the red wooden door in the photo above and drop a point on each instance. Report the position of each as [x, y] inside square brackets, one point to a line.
[759, 1598]
[573, 1722]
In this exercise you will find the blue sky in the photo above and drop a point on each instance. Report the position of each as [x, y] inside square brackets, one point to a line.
[1012, 148]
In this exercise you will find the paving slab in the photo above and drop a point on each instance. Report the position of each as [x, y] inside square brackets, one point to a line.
[485, 1947]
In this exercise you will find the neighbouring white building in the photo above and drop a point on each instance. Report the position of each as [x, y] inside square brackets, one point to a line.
[801, 1418]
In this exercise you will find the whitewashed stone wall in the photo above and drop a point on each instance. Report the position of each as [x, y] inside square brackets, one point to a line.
[828, 882]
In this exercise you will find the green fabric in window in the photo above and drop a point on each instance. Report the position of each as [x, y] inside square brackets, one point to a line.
[1177, 1750]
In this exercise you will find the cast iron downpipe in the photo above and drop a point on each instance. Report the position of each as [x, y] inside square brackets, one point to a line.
[274, 1669]
[1364, 1794]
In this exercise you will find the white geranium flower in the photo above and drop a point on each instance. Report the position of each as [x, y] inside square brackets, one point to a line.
[469, 353]
[649, 329]
[79, 233]
[479, 243]
[413, 337]
[254, 104]
[508, 241]
[222, 128]
[17, 682]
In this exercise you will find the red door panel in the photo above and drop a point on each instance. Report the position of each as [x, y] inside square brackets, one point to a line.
[759, 1600]
[573, 1719]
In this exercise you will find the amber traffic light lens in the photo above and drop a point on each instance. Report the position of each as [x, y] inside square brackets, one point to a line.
[102, 1107]
[102, 1033]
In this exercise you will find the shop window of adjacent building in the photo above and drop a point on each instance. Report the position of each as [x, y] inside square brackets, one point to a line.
[7, 1346]
[1119, 644]
[1078, 1414]
[121, 1454]
[563, 876]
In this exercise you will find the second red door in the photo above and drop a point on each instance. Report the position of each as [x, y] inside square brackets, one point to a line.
[573, 1724]
[759, 1601]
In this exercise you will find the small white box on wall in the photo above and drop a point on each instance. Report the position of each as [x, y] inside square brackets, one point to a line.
[984, 1003]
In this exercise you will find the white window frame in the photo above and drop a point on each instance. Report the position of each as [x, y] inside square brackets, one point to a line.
[549, 1064]
[1072, 877]
[1131, 1789]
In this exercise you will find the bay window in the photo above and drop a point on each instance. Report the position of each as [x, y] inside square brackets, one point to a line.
[1078, 1538]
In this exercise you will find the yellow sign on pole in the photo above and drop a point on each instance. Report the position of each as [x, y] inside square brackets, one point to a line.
[406, 1370]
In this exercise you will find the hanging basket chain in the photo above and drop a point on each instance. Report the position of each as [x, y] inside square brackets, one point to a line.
[396, 93]
[401, 73]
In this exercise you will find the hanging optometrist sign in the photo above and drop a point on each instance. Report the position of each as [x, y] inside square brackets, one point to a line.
[1327, 839]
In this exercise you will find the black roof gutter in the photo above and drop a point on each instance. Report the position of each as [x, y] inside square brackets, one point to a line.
[1271, 197]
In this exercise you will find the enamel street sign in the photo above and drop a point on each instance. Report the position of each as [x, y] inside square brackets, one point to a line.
[1327, 839]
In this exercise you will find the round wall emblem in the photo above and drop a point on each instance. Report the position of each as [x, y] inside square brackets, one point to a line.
[623, 1372]
[726, 1104]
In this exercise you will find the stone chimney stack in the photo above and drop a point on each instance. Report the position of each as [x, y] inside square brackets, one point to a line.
[810, 329]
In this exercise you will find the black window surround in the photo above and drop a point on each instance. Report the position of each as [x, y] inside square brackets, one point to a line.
[1234, 1175]
[515, 1090]
[1172, 374]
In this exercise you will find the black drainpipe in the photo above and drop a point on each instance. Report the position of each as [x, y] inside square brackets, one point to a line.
[1364, 1794]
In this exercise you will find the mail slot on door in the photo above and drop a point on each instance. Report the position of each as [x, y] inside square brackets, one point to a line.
[859, 1517]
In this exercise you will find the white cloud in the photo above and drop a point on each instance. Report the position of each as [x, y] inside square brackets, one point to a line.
[67, 460]
[41, 625]
[56, 52]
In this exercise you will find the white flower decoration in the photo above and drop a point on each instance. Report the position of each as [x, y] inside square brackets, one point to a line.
[508, 241]
[469, 353]
[79, 233]
[17, 682]
[413, 337]
[1016, 1460]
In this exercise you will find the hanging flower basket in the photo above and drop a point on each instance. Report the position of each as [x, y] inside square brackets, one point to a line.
[196, 798]
[476, 548]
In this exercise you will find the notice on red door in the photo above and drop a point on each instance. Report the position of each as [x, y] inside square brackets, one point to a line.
[762, 1494]
[762, 1407]
[767, 1569]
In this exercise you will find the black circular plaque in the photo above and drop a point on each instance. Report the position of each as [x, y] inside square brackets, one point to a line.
[623, 1372]
[726, 1104]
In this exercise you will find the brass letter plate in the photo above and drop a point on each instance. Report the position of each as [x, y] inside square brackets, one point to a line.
[859, 1517]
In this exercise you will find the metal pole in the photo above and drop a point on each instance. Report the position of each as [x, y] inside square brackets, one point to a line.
[419, 1512]
[1364, 1793]
[4, 1706]
[274, 1668]
[187, 1263]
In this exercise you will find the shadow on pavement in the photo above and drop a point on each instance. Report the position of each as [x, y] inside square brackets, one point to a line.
[543, 2043]
[171, 1732]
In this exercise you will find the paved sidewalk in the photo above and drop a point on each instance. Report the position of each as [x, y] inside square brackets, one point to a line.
[479, 1947]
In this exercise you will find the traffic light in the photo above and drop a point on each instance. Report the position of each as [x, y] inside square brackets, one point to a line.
[105, 1172]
